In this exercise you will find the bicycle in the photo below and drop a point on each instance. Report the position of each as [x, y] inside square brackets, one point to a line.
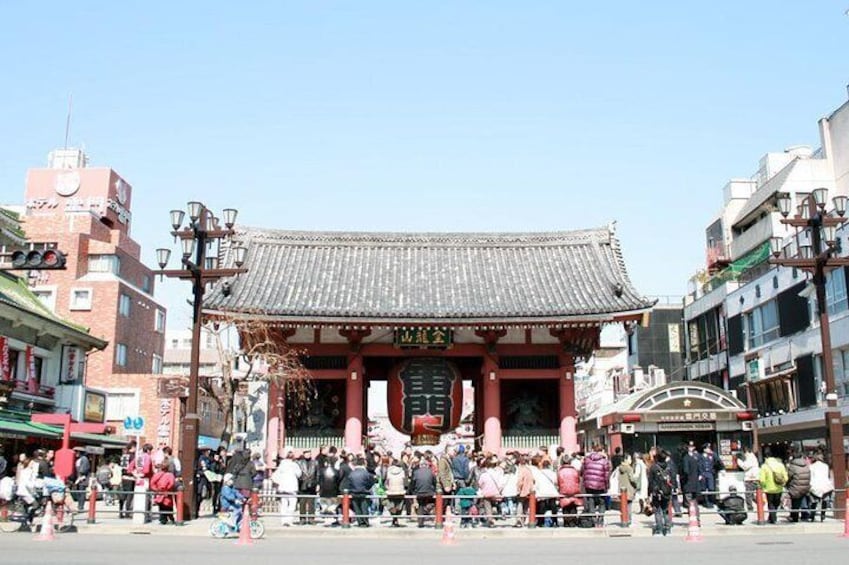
[222, 526]
[17, 515]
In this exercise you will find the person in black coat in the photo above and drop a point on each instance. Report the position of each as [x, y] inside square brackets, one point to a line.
[360, 482]
[243, 471]
[691, 480]
[423, 486]
[732, 508]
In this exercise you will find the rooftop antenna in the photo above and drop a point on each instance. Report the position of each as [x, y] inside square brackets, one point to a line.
[68, 119]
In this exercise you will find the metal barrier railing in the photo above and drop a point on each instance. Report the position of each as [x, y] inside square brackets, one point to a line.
[531, 511]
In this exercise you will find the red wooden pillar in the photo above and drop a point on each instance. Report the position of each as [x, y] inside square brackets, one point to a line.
[354, 405]
[568, 412]
[491, 408]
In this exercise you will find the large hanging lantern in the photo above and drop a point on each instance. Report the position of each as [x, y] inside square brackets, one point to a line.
[425, 398]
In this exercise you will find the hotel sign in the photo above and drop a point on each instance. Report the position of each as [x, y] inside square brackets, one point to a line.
[424, 337]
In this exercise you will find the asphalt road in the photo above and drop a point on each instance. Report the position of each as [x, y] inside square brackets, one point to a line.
[93, 549]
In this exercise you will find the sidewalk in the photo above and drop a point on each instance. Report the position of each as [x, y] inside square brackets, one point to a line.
[712, 526]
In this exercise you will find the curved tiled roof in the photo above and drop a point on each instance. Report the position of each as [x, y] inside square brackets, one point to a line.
[353, 277]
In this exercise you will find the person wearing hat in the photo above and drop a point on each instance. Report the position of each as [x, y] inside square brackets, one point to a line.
[709, 466]
[732, 508]
[231, 500]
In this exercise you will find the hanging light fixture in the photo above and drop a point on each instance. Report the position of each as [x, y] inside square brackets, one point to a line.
[820, 197]
[195, 210]
[784, 203]
[188, 246]
[775, 244]
[162, 256]
[177, 218]
[230, 217]
[239, 255]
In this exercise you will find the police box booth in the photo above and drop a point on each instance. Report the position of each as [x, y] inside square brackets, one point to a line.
[671, 415]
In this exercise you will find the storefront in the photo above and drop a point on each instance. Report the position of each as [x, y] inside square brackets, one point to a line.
[670, 416]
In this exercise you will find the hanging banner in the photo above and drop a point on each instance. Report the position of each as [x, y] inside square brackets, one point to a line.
[71, 364]
[5, 366]
[32, 381]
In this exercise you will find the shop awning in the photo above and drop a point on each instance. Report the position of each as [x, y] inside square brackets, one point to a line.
[23, 430]
[97, 439]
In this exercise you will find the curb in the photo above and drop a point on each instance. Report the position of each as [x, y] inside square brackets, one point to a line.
[201, 530]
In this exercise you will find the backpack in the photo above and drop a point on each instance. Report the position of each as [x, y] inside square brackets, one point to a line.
[779, 476]
[103, 475]
[663, 482]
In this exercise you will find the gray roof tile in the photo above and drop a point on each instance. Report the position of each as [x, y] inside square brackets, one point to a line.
[430, 277]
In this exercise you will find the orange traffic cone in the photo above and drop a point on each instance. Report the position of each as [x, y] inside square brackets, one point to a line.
[448, 528]
[245, 530]
[47, 533]
[694, 532]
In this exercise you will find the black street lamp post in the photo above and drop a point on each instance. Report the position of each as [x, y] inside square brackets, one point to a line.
[817, 259]
[198, 238]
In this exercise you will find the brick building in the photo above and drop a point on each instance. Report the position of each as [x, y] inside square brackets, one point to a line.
[86, 213]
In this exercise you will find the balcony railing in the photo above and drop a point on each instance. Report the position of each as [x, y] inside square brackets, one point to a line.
[35, 389]
[531, 441]
[313, 442]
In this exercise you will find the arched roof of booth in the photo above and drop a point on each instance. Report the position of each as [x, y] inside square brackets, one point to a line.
[431, 277]
[655, 398]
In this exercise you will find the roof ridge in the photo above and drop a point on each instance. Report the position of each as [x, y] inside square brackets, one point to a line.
[345, 238]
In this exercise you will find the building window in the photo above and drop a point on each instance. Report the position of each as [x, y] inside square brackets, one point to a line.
[121, 404]
[175, 344]
[762, 324]
[81, 299]
[47, 297]
[124, 303]
[145, 285]
[841, 372]
[120, 354]
[835, 292]
[14, 370]
[104, 264]
[159, 323]
[156, 369]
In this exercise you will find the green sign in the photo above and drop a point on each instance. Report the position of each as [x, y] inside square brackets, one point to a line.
[424, 337]
[753, 372]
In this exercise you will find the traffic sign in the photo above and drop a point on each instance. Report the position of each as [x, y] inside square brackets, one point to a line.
[134, 425]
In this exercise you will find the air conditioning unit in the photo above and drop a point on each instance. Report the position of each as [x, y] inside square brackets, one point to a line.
[748, 426]
[627, 428]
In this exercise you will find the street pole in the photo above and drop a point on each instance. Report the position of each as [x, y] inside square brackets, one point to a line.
[820, 263]
[202, 230]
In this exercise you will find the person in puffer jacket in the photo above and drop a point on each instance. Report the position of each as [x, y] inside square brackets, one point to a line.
[396, 488]
[596, 476]
[798, 485]
[569, 486]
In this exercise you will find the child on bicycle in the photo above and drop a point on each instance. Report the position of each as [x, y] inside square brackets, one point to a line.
[232, 500]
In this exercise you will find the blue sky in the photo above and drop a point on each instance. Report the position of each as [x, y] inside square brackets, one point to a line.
[436, 116]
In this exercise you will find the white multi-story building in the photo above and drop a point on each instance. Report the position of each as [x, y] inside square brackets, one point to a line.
[750, 326]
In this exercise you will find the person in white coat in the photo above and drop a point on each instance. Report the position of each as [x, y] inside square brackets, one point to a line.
[285, 478]
[747, 461]
[641, 495]
[822, 487]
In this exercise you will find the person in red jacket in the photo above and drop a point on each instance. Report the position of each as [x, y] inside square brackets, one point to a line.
[162, 484]
[569, 486]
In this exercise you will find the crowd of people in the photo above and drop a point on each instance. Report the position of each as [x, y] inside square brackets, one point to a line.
[570, 489]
